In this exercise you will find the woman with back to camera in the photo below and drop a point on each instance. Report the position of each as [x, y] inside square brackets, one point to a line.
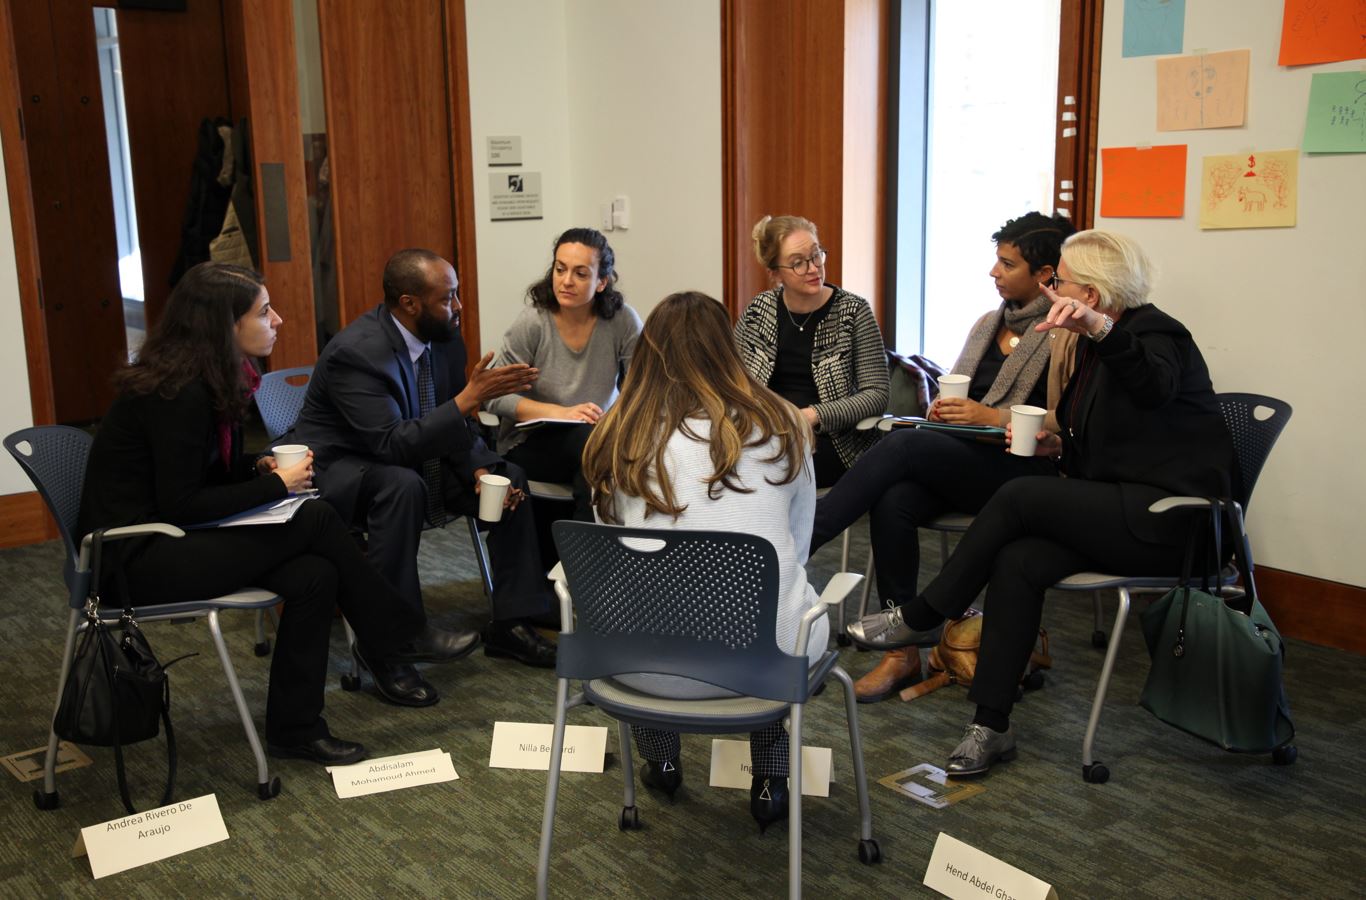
[915, 474]
[170, 450]
[580, 333]
[696, 442]
[1139, 422]
[814, 344]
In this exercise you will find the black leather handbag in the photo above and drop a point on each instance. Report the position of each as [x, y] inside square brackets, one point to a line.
[116, 691]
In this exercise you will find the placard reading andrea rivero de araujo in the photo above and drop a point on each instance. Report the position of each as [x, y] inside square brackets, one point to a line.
[514, 195]
[151, 835]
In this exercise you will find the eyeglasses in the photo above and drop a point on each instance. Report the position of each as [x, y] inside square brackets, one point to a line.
[1055, 282]
[802, 266]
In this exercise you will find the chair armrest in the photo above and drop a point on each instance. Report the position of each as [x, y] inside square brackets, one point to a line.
[566, 602]
[835, 591]
[487, 419]
[870, 422]
[127, 531]
[1166, 504]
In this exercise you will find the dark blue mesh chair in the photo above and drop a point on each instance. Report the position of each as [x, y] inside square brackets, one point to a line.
[1255, 422]
[697, 604]
[54, 458]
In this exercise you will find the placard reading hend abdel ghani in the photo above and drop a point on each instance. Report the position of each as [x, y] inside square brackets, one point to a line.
[514, 195]
[963, 872]
[153, 834]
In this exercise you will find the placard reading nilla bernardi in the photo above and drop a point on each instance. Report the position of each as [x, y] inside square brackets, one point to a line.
[514, 196]
[154, 834]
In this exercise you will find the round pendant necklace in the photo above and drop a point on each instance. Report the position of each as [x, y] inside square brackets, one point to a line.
[1014, 341]
[802, 326]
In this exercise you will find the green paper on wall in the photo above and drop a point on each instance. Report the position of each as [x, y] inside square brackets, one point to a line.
[1336, 121]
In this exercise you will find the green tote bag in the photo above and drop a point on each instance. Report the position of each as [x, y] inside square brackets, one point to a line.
[1216, 669]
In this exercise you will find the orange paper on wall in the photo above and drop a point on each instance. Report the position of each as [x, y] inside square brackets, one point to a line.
[1320, 31]
[1147, 181]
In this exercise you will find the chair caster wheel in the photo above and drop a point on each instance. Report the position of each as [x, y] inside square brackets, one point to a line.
[1282, 756]
[1096, 773]
[263, 648]
[630, 819]
[1033, 681]
[843, 640]
[45, 801]
[1099, 639]
[268, 789]
[869, 852]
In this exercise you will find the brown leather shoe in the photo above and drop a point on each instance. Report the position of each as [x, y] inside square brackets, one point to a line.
[898, 669]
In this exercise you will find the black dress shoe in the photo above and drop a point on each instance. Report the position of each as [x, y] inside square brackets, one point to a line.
[664, 776]
[328, 750]
[517, 640]
[434, 644]
[768, 801]
[398, 682]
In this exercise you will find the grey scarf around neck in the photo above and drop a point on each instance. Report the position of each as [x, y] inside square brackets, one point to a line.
[1025, 364]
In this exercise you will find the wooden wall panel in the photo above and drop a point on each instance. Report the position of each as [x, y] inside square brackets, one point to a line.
[384, 84]
[1074, 159]
[73, 204]
[174, 75]
[1321, 612]
[466, 259]
[261, 52]
[782, 113]
[24, 520]
[23, 225]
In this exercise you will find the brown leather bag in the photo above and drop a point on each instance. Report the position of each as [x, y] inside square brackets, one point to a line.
[954, 659]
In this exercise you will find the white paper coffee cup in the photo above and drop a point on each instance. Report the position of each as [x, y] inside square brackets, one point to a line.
[493, 492]
[1025, 424]
[954, 386]
[287, 455]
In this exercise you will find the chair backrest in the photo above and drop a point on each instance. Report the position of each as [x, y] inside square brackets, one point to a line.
[1253, 438]
[700, 604]
[54, 458]
[280, 401]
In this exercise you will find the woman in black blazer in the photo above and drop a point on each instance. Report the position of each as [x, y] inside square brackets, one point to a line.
[170, 450]
[1139, 422]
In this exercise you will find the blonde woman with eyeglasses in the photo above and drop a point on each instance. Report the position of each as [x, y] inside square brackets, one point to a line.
[814, 344]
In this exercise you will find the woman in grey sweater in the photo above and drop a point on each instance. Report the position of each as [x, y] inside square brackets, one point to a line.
[580, 333]
[814, 344]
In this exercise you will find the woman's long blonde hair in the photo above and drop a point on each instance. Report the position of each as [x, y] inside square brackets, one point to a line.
[685, 366]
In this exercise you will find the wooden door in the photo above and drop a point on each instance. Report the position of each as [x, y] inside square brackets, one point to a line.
[63, 119]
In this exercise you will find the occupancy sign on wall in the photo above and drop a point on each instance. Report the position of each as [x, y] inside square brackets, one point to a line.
[514, 195]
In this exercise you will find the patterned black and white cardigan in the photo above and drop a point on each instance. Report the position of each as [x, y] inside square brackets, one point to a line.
[848, 363]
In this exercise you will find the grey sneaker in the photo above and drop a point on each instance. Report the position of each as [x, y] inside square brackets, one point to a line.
[979, 748]
[887, 631]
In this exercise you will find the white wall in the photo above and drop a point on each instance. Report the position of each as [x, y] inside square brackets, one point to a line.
[16, 410]
[609, 97]
[1276, 311]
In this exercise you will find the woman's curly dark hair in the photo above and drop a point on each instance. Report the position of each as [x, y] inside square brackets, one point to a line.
[607, 301]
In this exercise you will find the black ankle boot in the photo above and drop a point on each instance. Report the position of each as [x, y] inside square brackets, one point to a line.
[665, 776]
[768, 801]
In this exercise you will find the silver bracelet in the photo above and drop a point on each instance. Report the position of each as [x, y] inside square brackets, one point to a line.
[1099, 334]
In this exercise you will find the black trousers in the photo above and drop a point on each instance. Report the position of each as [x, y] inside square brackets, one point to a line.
[904, 481]
[1031, 534]
[826, 462]
[392, 505]
[555, 453]
[312, 562]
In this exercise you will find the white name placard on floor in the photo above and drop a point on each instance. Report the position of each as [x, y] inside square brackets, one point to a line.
[121, 844]
[730, 767]
[392, 773]
[963, 872]
[526, 745]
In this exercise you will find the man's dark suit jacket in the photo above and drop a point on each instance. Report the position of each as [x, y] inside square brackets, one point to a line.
[362, 408]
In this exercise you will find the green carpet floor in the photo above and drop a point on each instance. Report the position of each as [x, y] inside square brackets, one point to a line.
[1178, 819]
